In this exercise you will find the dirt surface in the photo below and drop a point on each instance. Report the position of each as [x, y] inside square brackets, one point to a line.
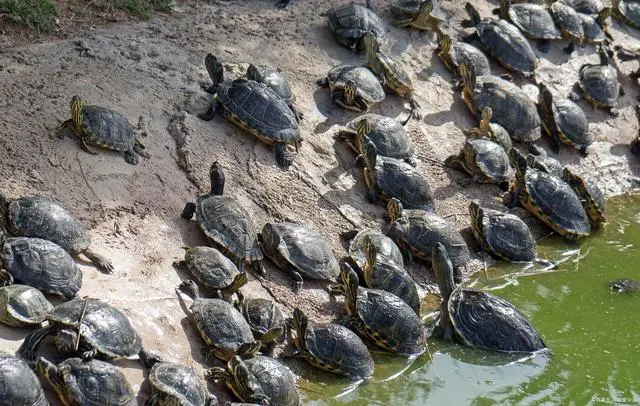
[156, 70]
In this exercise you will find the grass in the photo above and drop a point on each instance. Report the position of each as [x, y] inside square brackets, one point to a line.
[142, 9]
[39, 15]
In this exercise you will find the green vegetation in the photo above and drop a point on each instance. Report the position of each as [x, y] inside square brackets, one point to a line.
[39, 15]
[139, 8]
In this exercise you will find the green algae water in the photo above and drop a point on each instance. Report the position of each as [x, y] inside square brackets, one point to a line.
[593, 335]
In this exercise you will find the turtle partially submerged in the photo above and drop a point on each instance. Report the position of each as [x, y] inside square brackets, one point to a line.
[420, 14]
[599, 83]
[453, 53]
[385, 247]
[627, 11]
[299, 251]
[533, 20]
[491, 131]
[624, 286]
[590, 195]
[175, 384]
[349, 22]
[39, 217]
[569, 23]
[22, 305]
[225, 223]
[354, 88]
[255, 108]
[331, 347]
[20, 385]
[265, 320]
[484, 160]
[104, 127]
[479, 319]
[539, 159]
[277, 81]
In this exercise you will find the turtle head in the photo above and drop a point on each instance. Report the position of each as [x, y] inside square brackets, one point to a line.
[574, 180]
[350, 283]
[545, 97]
[253, 73]
[519, 163]
[76, 113]
[601, 19]
[444, 41]
[475, 211]
[473, 13]
[370, 43]
[247, 350]
[350, 91]
[239, 281]
[362, 129]
[370, 253]
[215, 69]
[394, 209]
[485, 122]
[299, 324]
[65, 340]
[216, 175]
[4, 212]
[370, 154]
[52, 374]
[468, 75]
[426, 7]
[505, 5]
[603, 53]
[443, 270]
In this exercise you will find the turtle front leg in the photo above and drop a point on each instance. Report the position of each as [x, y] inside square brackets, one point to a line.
[211, 112]
[84, 141]
[140, 149]
[131, 157]
[52, 374]
[569, 48]
[296, 284]
[149, 358]
[283, 157]
[188, 211]
[98, 260]
[29, 347]
[62, 127]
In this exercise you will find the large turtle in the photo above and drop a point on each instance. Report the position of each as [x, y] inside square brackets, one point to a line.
[225, 222]
[385, 247]
[255, 108]
[350, 21]
[299, 251]
[627, 11]
[19, 385]
[180, 385]
[599, 83]
[569, 22]
[453, 53]
[104, 127]
[534, 20]
[479, 319]
[265, 320]
[491, 131]
[484, 160]
[420, 14]
[331, 347]
[39, 217]
[277, 81]
[354, 88]
[590, 195]
[22, 305]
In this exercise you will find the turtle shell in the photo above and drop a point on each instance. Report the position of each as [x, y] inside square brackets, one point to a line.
[538, 158]
[463, 52]
[387, 134]
[107, 128]
[593, 32]
[487, 160]
[210, 267]
[43, 265]
[393, 278]
[96, 382]
[384, 246]
[600, 84]
[276, 81]
[22, 305]
[507, 45]
[629, 11]
[590, 194]
[178, 383]
[534, 20]
[504, 235]
[568, 20]
[263, 317]
[349, 23]
[486, 321]
[19, 385]
[274, 379]
[368, 86]
[409, 9]
[571, 123]
[400, 180]
[584, 6]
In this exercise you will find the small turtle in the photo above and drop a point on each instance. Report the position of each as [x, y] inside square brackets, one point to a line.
[596, 30]
[222, 327]
[39, 217]
[539, 159]
[629, 55]
[548, 198]
[564, 121]
[299, 251]
[569, 23]
[92, 382]
[491, 131]
[349, 22]
[391, 73]
[503, 41]
[277, 81]
[599, 83]
[624, 286]
[20, 385]
[590, 7]
[255, 108]
[452, 54]
[590, 195]
[420, 14]
[380, 316]
[261, 380]
[484, 160]
[533, 20]
[354, 88]
[22, 305]
[627, 11]
[385, 247]
[104, 127]
[331, 347]
[225, 223]
[175, 384]
[479, 319]
[265, 320]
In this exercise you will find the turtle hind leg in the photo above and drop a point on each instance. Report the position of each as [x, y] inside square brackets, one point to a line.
[283, 157]
[60, 129]
[543, 45]
[131, 157]
[101, 262]
[211, 112]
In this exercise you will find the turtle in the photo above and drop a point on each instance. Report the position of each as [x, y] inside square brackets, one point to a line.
[626, 55]
[596, 30]
[484, 160]
[225, 223]
[627, 11]
[624, 286]
[453, 53]
[20, 385]
[479, 319]
[533, 20]
[539, 159]
[254, 107]
[22, 305]
[420, 14]
[213, 270]
[569, 22]
[222, 327]
[599, 83]
[590, 194]
[590, 7]
[391, 73]
[511, 107]
[548, 198]
[492, 131]
[39, 217]
[350, 21]
[275, 79]
[331, 347]
[503, 41]
[92, 328]
[178, 384]
[87, 382]
[563, 120]
[104, 127]
[259, 379]
[299, 251]
[354, 88]
[380, 316]
[265, 320]
[388, 135]
[385, 247]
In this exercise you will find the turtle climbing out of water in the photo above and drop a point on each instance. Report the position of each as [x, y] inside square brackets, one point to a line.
[624, 285]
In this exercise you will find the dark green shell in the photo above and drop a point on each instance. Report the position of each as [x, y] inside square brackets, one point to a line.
[179, 383]
[463, 52]
[385, 247]
[388, 135]
[22, 305]
[486, 160]
[408, 9]
[571, 123]
[397, 179]
[273, 378]
[107, 128]
[593, 32]
[504, 235]
[19, 384]
[392, 277]
[508, 46]
[628, 11]
[534, 20]
[568, 20]
[95, 382]
[584, 6]
[367, 84]
[264, 316]
[210, 267]
[600, 84]
[349, 23]
[276, 81]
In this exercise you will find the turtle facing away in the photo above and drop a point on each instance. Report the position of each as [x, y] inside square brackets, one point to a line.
[354, 88]
[277, 81]
[569, 22]
[484, 160]
[534, 20]
[20, 385]
[22, 305]
[590, 195]
[175, 384]
[599, 83]
[384, 246]
[349, 22]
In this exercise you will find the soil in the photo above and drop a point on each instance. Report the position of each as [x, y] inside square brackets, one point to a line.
[155, 70]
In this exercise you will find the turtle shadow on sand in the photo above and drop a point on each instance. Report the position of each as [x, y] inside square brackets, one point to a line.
[190, 232]
[14, 333]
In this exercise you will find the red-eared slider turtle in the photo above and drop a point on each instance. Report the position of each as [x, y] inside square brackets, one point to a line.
[388, 135]
[491, 131]
[596, 30]
[479, 319]
[453, 53]
[569, 22]
[331, 347]
[590, 195]
[277, 81]
[627, 11]
[624, 286]
[391, 73]
[265, 320]
[564, 121]
[533, 20]
[503, 41]
[41, 264]
[255, 108]
[105, 332]
[225, 222]
[180, 385]
[484, 160]
[299, 251]
[260, 380]
[222, 327]
[548, 198]
[20, 385]
[39, 217]
[381, 317]
[385, 247]
[354, 88]
[87, 383]
[213, 270]
[349, 22]
[420, 14]
[104, 127]
[511, 107]
[590, 7]
[22, 305]
[539, 159]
